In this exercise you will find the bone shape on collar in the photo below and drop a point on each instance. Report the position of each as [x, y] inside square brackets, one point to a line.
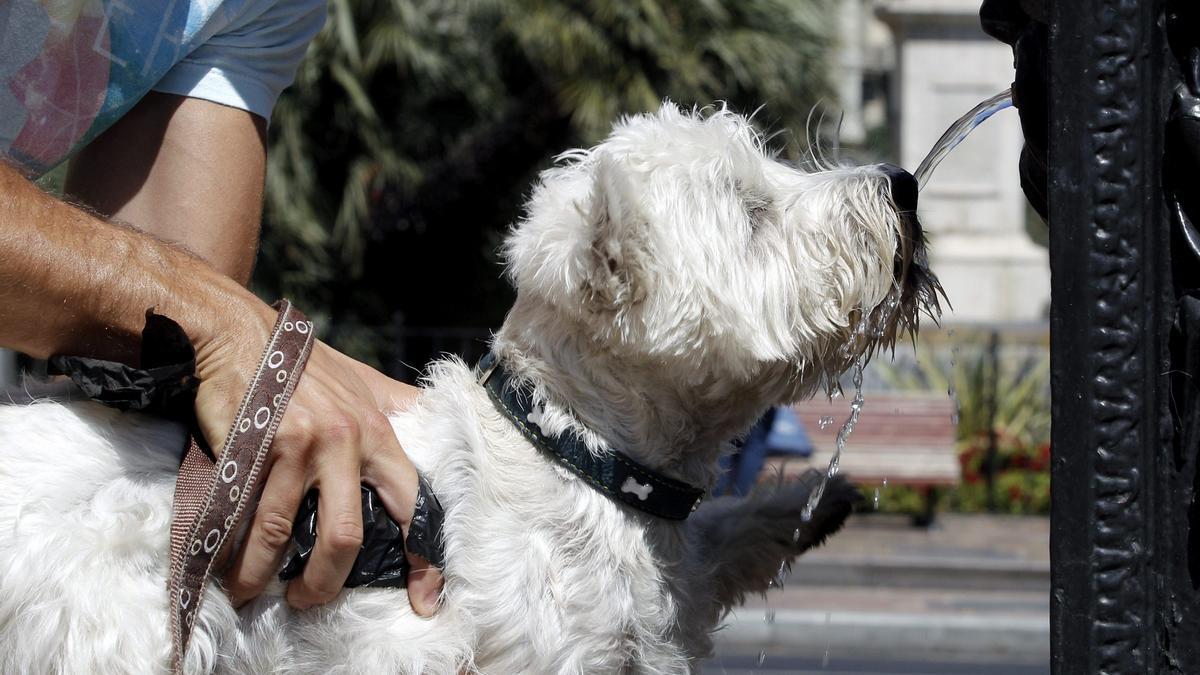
[642, 491]
[618, 476]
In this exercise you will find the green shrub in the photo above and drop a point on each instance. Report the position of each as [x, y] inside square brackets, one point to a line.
[1021, 424]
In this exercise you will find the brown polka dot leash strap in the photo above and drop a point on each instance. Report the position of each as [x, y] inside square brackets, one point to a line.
[211, 497]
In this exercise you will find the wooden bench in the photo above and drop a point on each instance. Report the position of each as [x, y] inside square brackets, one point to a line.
[901, 438]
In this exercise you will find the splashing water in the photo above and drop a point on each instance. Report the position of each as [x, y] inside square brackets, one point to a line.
[856, 406]
[958, 131]
[782, 574]
[762, 656]
[888, 308]
[882, 487]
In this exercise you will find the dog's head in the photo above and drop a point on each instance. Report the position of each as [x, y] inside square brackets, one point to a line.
[680, 244]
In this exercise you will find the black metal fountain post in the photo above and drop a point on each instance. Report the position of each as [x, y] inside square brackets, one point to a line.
[1111, 484]
[1111, 113]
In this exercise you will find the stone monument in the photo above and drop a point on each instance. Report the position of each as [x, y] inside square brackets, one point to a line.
[972, 208]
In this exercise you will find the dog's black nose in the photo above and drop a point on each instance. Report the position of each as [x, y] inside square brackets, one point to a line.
[904, 186]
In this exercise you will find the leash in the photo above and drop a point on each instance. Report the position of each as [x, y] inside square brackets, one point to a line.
[614, 474]
[211, 497]
[210, 501]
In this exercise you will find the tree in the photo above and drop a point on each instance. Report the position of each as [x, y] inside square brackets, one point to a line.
[415, 128]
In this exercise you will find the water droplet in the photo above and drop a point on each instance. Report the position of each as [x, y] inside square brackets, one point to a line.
[762, 656]
[769, 617]
[824, 422]
[876, 499]
[781, 575]
[796, 536]
[828, 639]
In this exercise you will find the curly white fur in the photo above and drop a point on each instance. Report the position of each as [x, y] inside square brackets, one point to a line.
[672, 282]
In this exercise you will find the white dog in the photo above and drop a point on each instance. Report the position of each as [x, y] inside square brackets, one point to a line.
[672, 283]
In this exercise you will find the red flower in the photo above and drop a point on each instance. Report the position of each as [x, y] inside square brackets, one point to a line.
[1040, 460]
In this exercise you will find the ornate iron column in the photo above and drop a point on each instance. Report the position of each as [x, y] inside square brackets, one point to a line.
[1112, 530]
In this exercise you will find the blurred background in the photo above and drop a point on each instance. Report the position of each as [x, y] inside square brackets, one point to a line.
[415, 129]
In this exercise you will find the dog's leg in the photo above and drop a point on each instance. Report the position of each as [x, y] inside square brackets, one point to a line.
[743, 542]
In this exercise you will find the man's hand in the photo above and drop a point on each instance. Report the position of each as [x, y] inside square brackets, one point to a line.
[333, 435]
[201, 186]
[73, 284]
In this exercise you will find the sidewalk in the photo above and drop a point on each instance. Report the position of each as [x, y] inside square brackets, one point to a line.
[972, 587]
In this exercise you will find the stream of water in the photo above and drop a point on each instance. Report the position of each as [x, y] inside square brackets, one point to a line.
[959, 131]
[949, 140]
[856, 406]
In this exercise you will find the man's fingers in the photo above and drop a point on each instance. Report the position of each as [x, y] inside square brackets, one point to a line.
[258, 560]
[424, 585]
[395, 479]
[339, 537]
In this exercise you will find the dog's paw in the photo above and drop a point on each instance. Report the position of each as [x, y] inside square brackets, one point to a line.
[748, 540]
[827, 517]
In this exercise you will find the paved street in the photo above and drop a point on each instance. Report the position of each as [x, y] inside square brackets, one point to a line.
[748, 664]
[968, 596]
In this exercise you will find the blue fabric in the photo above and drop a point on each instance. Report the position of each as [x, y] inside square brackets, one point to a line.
[787, 435]
[778, 432]
[69, 69]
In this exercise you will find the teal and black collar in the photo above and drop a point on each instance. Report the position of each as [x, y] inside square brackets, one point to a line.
[615, 474]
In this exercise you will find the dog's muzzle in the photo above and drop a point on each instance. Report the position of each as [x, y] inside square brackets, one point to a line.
[904, 190]
[904, 186]
[904, 194]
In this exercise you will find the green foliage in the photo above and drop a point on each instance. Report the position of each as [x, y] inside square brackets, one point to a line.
[1022, 387]
[415, 127]
[897, 499]
[1021, 424]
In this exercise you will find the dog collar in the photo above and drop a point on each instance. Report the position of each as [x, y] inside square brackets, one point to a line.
[614, 473]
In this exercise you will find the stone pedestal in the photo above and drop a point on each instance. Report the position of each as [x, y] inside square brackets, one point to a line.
[972, 208]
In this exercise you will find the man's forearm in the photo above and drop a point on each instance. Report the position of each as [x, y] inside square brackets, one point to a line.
[72, 283]
[200, 185]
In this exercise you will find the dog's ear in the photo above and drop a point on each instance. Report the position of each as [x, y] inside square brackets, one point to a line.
[615, 268]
